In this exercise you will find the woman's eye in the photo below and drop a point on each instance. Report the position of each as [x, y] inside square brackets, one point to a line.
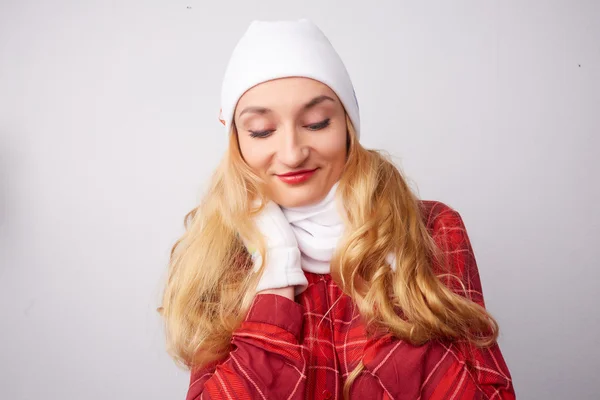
[260, 134]
[313, 127]
[320, 125]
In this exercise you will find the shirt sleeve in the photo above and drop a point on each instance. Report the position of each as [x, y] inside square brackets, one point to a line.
[266, 360]
[441, 370]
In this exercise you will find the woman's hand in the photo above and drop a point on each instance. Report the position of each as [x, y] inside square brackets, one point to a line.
[282, 269]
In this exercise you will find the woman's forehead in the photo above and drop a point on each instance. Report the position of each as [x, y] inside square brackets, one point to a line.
[284, 92]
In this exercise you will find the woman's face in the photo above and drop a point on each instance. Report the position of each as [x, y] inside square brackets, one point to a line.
[292, 133]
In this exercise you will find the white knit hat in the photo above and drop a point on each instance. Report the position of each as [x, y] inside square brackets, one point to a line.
[278, 49]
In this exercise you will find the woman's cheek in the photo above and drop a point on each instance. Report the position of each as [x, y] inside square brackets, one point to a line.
[258, 159]
[333, 145]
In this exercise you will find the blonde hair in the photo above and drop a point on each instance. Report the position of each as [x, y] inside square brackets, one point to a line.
[210, 284]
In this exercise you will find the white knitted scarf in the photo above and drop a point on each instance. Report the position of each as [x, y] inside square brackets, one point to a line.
[318, 229]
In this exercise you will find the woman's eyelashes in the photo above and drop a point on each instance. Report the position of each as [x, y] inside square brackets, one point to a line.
[320, 125]
[313, 127]
[260, 134]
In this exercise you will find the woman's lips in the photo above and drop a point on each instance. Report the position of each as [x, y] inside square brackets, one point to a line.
[293, 178]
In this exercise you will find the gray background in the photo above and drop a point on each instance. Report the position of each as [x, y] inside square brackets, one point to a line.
[109, 131]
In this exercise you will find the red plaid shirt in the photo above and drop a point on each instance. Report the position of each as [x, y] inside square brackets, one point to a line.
[305, 349]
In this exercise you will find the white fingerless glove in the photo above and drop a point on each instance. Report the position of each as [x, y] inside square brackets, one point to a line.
[282, 267]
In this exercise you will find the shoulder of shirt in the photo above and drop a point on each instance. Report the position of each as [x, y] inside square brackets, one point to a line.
[439, 216]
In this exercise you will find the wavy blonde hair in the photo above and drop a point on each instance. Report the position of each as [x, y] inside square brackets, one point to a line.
[210, 285]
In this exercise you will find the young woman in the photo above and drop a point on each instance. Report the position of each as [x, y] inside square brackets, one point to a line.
[310, 270]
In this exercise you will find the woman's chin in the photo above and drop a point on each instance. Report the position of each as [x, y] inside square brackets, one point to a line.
[297, 196]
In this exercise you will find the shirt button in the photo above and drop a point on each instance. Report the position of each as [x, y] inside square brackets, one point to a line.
[326, 394]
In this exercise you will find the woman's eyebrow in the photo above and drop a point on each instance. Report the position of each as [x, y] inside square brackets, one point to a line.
[254, 109]
[264, 110]
[317, 100]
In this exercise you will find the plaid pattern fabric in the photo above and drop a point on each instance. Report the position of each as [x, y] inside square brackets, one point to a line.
[306, 349]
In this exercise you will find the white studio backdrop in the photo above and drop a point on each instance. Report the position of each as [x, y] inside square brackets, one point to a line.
[109, 132]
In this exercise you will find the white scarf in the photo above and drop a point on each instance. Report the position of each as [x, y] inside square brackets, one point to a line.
[318, 229]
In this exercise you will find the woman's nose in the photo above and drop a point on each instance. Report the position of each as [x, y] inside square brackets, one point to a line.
[292, 150]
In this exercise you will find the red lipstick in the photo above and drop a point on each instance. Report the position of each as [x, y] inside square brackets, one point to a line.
[296, 177]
